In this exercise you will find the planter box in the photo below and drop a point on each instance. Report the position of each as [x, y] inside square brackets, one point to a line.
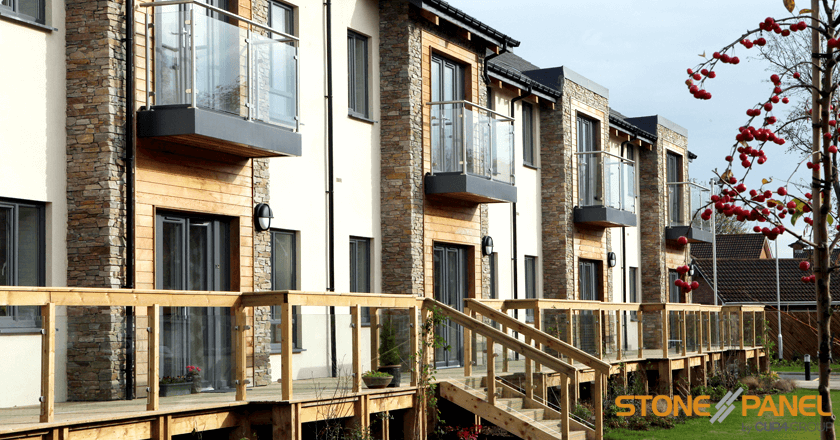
[175, 389]
[376, 382]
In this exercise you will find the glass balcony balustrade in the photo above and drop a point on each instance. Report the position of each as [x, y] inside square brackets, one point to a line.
[605, 179]
[212, 59]
[681, 214]
[469, 139]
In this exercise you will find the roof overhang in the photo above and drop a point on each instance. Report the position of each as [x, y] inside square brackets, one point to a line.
[466, 22]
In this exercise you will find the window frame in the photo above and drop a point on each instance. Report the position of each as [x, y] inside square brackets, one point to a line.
[11, 323]
[352, 38]
[528, 144]
[530, 284]
[596, 286]
[494, 267]
[289, 28]
[633, 291]
[297, 343]
[673, 289]
[353, 280]
[13, 11]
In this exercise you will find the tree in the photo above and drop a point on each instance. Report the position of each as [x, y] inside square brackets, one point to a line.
[728, 225]
[805, 74]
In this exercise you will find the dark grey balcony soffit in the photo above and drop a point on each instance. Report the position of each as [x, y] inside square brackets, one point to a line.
[470, 188]
[604, 216]
[218, 131]
[694, 235]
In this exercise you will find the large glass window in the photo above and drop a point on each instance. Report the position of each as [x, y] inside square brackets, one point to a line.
[528, 134]
[632, 290]
[357, 74]
[589, 175]
[30, 10]
[588, 280]
[530, 284]
[360, 270]
[674, 175]
[284, 277]
[21, 258]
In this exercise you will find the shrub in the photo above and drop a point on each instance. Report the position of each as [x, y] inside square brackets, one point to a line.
[751, 383]
[784, 385]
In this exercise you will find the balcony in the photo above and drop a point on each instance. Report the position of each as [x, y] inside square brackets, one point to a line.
[472, 153]
[684, 222]
[221, 82]
[606, 190]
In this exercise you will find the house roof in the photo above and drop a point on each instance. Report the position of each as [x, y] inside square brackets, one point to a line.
[754, 280]
[619, 121]
[509, 67]
[737, 246]
[468, 22]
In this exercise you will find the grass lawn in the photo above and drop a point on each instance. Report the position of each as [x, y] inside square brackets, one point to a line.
[815, 368]
[731, 428]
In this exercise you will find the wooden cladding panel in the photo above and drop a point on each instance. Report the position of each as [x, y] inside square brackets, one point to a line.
[453, 222]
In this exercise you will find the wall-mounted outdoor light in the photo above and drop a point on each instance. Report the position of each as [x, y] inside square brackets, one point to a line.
[487, 245]
[611, 259]
[262, 217]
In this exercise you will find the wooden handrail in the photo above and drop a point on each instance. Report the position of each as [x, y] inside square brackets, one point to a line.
[499, 337]
[540, 337]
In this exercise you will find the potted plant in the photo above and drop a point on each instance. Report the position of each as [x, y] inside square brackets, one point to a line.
[175, 386]
[194, 377]
[389, 353]
[376, 379]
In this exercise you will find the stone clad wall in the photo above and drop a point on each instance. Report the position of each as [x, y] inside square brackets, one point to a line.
[401, 150]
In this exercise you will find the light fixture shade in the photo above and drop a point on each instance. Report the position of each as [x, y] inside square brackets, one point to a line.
[262, 217]
[611, 259]
[692, 269]
[487, 245]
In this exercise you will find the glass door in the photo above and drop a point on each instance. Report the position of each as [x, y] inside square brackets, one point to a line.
[450, 289]
[193, 254]
[446, 124]
[674, 191]
[589, 179]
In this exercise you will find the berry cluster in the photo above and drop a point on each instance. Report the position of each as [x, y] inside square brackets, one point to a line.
[685, 285]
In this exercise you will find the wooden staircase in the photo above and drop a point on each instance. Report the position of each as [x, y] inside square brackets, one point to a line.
[522, 417]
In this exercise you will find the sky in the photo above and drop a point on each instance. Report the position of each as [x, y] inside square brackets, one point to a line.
[640, 51]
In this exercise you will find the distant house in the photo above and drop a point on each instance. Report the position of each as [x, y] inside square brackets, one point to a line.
[741, 246]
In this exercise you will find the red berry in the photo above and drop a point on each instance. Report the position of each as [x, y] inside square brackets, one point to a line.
[785, 100]
[796, 75]
[808, 195]
[757, 228]
[732, 180]
[791, 204]
[805, 279]
[832, 149]
[716, 55]
[761, 42]
[690, 72]
[827, 135]
[725, 58]
[802, 26]
[782, 191]
[712, 74]
[832, 42]
[804, 265]
[682, 241]
[695, 285]
[775, 79]
[768, 106]
[774, 99]
[735, 60]
[697, 76]
[785, 32]
[729, 158]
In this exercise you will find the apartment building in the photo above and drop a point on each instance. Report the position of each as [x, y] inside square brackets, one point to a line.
[359, 146]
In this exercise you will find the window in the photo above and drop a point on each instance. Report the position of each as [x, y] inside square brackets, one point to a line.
[530, 284]
[29, 10]
[284, 277]
[632, 291]
[588, 280]
[589, 175]
[674, 175]
[494, 293]
[360, 270]
[22, 260]
[357, 74]
[528, 134]
[282, 81]
[674, 296]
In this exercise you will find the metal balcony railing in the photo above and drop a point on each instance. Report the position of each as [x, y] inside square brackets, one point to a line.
[470, 139]
[206, 57]
[698, 198]
[605, 179]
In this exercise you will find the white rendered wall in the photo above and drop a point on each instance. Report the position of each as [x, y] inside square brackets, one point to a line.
[32, 168]
[298, 185]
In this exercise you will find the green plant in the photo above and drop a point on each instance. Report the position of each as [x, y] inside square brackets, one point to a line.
[389, 352]
[425, 372]
[376, 374]
[176, 379]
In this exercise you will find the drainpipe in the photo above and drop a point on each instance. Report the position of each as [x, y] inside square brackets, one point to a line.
[515, 257]
[331, 189]
[129, 194]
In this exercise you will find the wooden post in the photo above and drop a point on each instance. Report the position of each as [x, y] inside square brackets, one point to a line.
[599, 334]
[684, 331]
[468, 344]
[505, 362]
[569, 334]
[529, 373]
[356, 317]
[640, 327]
[240, 363]
[574, 386]
[709, 331]
[361, 414]
[598, 398]
[286, 349]
[374, 338]
[741, 326]
[721, 333]
[414, 343]
[619, 314]
[48, 363]
[153, 396]
[285, 422]
[754, 323]
[665, 333]
[564, 406]
[538, 326]
[491, 373]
